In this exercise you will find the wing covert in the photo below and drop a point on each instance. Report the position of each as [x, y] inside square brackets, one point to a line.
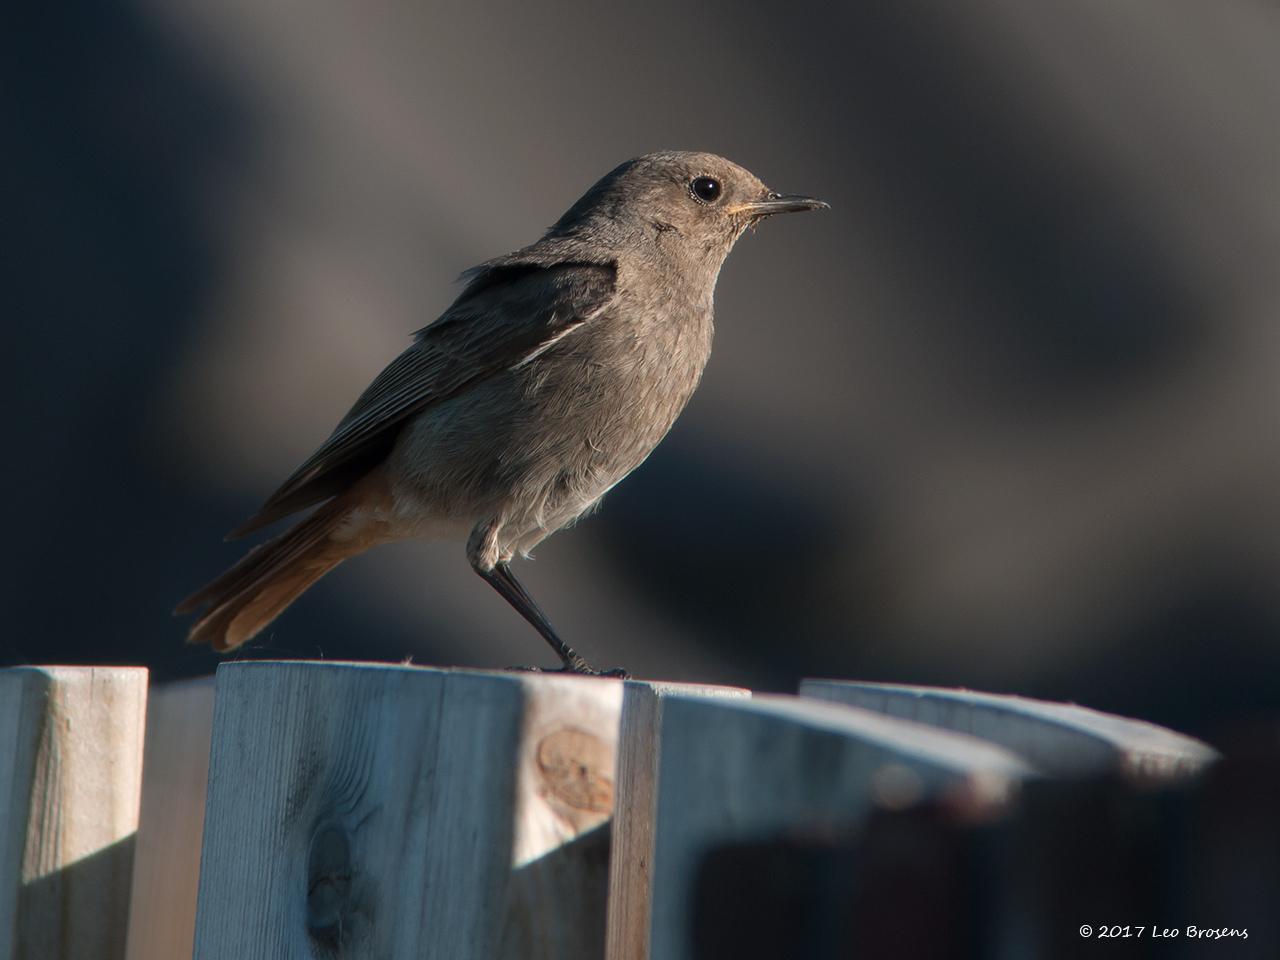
[507, 313]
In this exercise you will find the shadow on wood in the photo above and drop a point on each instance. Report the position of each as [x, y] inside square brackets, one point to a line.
[1174, 871]
[560, 898]
[894, 890]
[84, 902]
[742, 770]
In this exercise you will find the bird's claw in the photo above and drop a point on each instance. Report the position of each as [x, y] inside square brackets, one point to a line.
[579, 669]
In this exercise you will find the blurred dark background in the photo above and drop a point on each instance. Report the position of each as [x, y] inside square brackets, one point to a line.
[1005, 418]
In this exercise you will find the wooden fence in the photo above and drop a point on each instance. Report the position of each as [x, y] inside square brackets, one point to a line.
[353, 810]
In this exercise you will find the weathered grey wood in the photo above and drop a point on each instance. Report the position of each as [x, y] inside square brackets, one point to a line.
[734, 770]
[1058, 739]
[630, 888]
[166, 863]
[70, 777]
[359, 810]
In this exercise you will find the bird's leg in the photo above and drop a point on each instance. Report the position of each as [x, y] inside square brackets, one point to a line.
[500, 577]
[487, 560]
[504, 581]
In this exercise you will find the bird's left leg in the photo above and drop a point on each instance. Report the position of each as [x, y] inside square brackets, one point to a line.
[496, 572]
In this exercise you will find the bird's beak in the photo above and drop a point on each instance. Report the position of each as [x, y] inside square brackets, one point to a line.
[781, 203]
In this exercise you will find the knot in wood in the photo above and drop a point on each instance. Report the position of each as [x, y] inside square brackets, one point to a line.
[577, 768]
[329, 883]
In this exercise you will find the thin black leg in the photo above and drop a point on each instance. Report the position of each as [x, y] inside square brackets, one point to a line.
[504, 581]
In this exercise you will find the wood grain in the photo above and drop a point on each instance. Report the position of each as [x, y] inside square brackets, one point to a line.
[1058, 739]
[70, 778]
[733, 770]
[359, 810]
[630, 881]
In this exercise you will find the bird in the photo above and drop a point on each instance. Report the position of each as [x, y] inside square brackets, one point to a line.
[553, 375]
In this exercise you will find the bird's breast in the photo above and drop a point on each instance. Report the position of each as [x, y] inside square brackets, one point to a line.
[626, 376]
[541, 443]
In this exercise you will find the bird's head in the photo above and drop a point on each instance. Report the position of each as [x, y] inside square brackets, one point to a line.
[692, 206]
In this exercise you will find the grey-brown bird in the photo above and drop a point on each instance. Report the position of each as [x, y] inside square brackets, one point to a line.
[552, 376]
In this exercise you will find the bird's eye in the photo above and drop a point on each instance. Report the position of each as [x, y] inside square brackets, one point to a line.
[705, 189]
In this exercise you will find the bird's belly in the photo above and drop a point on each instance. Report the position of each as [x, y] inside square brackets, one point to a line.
[538, 446]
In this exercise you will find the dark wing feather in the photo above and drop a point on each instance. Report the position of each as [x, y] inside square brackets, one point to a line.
[505, 316]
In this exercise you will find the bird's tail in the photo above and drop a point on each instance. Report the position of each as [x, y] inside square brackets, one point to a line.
[255, 591]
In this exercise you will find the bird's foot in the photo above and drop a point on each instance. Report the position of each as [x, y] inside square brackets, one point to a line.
[616, 673]
[578, 668]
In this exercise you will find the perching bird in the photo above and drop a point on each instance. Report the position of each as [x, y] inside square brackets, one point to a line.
[553, 375]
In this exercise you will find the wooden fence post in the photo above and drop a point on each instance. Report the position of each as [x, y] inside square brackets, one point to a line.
[733, 770]
[1058, 739]
[166, 863]
[378, 811]
[70, 776]
[630, 881]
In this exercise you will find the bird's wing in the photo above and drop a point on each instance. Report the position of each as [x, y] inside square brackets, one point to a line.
[507, 315]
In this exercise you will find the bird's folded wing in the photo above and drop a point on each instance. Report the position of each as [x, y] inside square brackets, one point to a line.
[507, 315]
